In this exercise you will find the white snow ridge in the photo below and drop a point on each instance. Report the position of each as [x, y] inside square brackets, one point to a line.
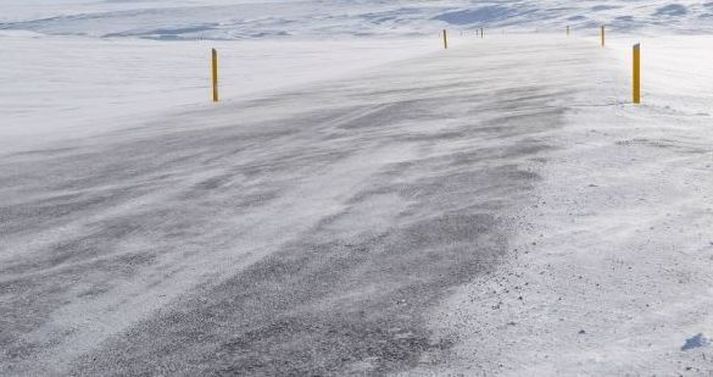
[361, 200]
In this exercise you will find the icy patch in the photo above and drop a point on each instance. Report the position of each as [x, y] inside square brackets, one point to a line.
[672, 10]
[697, 341]
[598, 8]
[492, 13]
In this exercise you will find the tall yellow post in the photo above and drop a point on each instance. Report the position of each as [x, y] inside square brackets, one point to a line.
[603, 36]
[214, 71]
[445, 39]
[637, 74]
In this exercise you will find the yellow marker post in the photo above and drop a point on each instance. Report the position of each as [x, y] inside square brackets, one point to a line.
[603, 33]
[637, 74]
[214, 71]
[445, 39]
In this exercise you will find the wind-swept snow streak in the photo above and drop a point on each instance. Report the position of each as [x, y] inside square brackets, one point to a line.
[307, 232]
[613, 270]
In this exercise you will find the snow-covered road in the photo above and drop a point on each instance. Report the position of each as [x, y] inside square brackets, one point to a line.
[494, 209]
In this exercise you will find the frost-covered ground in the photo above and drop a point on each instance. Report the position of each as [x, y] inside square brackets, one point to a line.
[354, 205]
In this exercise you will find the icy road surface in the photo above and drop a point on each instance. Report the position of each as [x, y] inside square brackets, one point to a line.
[496, 209]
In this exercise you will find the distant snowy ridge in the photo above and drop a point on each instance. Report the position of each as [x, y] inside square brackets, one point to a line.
[217, 19]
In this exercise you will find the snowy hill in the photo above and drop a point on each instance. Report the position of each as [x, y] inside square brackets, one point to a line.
[220, 19]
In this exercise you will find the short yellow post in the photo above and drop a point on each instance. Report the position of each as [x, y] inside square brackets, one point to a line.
[637, 74]
[214, 71]
[445, 39]
[603, 36]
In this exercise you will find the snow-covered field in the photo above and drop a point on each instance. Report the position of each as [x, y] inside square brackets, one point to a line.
[361, 202]
[66, 87]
